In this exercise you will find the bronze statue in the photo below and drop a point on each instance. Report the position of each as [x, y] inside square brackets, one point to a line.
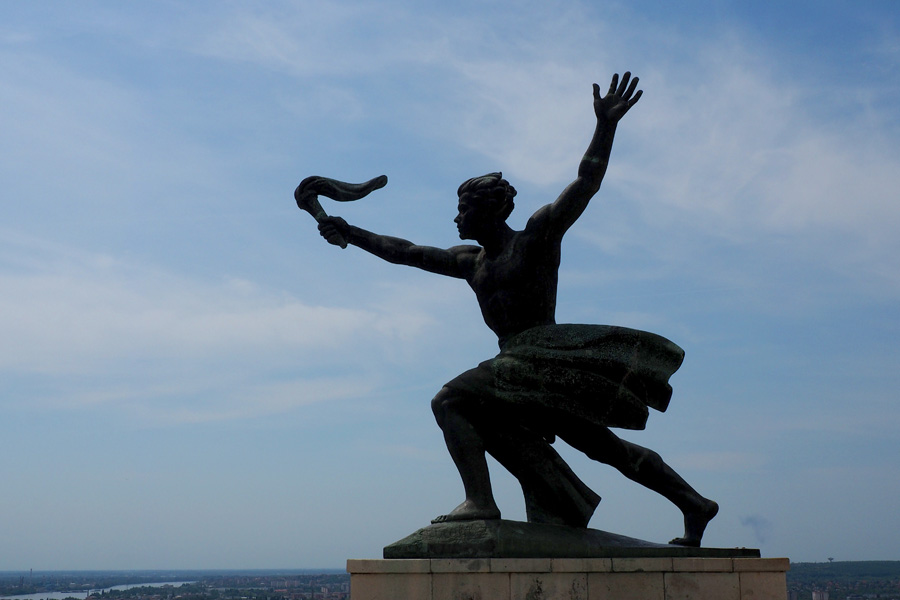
[549, 380]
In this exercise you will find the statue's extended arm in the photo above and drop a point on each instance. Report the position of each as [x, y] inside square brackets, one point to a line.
[452, 262]
[562, 213]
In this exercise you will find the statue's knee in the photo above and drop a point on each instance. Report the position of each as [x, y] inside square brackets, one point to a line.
[439, 404]
[450, 402]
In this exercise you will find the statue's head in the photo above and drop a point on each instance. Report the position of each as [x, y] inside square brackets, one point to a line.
[484, 204]
[490, 192]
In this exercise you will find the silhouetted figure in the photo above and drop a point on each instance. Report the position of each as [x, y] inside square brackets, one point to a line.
[570, 381]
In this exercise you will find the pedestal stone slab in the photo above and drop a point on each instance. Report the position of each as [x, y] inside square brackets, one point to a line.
[569, 579]
[499, 538]
[627, 586]
[571, 586]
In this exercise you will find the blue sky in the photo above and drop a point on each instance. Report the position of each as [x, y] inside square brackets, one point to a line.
[191, 378]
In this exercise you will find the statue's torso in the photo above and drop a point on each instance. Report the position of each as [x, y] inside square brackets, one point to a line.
[516, 290]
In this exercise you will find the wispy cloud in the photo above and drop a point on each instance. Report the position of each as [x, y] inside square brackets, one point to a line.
[312, 40]
[108, 332]
[99, 310]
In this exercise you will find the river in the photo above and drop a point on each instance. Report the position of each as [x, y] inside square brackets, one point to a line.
[82, 595]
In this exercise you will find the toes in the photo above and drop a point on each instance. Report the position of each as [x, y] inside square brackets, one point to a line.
[685, 542]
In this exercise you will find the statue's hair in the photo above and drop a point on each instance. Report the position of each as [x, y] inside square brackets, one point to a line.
[492, 189]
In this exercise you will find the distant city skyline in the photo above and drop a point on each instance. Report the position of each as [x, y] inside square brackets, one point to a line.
[192, 378]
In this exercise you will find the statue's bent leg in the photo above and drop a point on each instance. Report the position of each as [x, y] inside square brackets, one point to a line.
[466, 448]
[472, 425]
[647, 468]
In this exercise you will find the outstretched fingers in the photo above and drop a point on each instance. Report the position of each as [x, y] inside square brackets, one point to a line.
[625, 89]
[631, 87]
[637, 97]
[622, 95]
[623, 85]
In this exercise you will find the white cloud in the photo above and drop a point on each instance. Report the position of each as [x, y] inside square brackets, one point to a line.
[89, 149]
[741, 150]
[722, 145]
[252, 400]
[15, 37]
[314, 39]
[71, 320]
[82, 330]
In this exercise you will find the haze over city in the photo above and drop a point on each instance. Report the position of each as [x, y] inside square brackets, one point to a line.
[190, 377]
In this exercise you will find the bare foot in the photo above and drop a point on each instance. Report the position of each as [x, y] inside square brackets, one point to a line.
[695, 524]
[469, 511]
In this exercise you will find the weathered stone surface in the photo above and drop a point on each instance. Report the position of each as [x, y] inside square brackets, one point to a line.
[373, 565]
[468, 586]
[724, 565]
[468, 565]
[412, 586]
[781, 565]
[644, 578]
[499, 538]
[643, 564]
[768, 585]
[548, 586]
[581, 565]
[625, 586]
[696, 586]
[521, 565]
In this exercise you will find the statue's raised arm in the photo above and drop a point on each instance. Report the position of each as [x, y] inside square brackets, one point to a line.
[609, 109]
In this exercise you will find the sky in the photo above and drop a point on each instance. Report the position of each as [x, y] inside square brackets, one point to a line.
[190, 377]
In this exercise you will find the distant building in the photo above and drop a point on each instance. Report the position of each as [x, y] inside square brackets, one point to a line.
[817, 595]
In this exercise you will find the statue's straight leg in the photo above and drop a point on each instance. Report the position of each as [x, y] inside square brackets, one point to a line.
[647, 468]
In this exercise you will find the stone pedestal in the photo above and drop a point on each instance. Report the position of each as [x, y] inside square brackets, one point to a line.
[672, 578]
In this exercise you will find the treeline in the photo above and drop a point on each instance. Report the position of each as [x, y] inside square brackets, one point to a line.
[842, 579]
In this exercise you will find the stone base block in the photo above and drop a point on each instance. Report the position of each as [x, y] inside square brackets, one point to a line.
[670, 578]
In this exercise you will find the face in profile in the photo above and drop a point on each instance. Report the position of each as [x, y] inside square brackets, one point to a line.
[472, 218]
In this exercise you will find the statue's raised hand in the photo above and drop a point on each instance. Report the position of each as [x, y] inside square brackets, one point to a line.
[620, 97]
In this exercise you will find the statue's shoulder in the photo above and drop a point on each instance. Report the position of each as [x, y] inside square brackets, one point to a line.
[465, 250]
[466, 256]
[539, 221]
